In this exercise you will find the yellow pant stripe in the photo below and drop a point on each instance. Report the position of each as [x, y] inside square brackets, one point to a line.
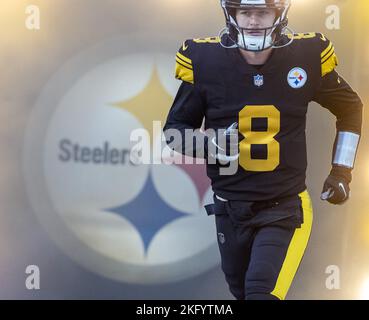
[295, 250]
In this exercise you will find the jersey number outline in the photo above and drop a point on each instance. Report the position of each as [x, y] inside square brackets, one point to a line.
[299, 36]
[207, 40]
[273, 116]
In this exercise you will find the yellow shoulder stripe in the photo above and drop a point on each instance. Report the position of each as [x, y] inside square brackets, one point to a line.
[183, 73]
[185, 64]
[185, 59]
[329, 64]
[328, 55]
[328, 59]
[328, 49]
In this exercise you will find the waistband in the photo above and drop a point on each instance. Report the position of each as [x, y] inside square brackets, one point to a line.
[221, 205]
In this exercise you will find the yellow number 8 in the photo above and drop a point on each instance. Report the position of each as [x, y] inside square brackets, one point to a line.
[259, 137]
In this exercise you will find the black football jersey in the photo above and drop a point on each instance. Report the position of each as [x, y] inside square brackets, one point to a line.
[268, 102]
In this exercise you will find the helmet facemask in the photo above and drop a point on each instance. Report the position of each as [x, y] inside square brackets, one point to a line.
[267, 37]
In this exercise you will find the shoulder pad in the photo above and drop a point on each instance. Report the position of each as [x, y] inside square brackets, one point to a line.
[325, 47]
[328, 56]
[185, 56]
[184, 64]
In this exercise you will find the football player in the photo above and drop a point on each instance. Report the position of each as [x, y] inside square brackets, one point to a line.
[258, 77]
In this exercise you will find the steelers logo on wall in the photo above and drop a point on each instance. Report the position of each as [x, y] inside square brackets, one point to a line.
[137, 223]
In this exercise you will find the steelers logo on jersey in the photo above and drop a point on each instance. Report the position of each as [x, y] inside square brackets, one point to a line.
[297, 78]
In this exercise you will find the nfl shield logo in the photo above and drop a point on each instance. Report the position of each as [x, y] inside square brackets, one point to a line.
[258, 80]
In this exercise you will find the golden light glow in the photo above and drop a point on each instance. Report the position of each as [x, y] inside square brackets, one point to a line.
[364, 293]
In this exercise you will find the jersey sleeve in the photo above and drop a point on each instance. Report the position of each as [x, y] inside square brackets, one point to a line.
[184, 69]
[335, 94]
[188, 108]
[328, 57]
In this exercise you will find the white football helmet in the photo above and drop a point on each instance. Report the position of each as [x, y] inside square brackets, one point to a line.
[272, 35]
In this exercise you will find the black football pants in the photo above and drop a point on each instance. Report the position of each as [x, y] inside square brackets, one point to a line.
[260, 258]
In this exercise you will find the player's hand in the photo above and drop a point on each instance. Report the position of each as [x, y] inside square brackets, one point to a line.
[225, 147]
[336, 188]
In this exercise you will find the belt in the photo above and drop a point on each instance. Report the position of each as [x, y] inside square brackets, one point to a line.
[221, 205]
